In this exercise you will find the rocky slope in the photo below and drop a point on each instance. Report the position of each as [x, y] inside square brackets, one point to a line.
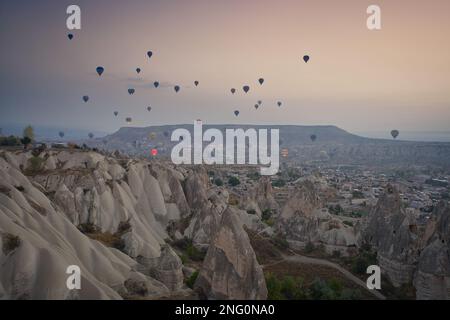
[304, 219]
[407, 252]
[114, 218]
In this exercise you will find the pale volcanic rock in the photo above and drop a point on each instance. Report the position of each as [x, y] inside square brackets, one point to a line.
[230, 269]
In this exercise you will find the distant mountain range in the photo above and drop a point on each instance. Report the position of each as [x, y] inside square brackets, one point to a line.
[332, 145]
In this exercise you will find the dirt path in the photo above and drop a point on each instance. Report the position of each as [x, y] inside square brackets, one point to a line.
[296, 258]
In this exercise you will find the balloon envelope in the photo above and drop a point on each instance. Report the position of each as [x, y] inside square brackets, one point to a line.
[196, 83]
[149, 109]
[91, 135]
[156, 84]
[259, 102]
[116, 113]
[138, 70]
[70, 36]
[176, 88]
[236, 113]
[395, 133]
[279, 103]
[306, 58]
[256, 106]
[131, 91]
[313, 137]
[246, 88]
[128, 120]
[149, 54]
[61, 134]
[85, 98]
[233, 90]
[261, 81]
[100, 70]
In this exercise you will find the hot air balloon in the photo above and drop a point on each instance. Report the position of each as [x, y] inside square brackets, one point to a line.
[176, 88]
[100, 70]
[85, 98]
[236, 113]
[156, 84]
[196, 83]
[306, 58]
[116, 113]
[70, 36]
[256, 106]
[149, 54]
[61, 134]
[279, 103]
[395, 133]
[131, 91]
[259, 102]
[261, 81]
[246, 88]
[91, 135]
[154, 152]
[128, 120]
[313, 137]
[233, 90]
[149, 109]
[138, 70]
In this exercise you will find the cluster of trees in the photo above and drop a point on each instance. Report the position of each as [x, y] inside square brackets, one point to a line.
[13, 141]
[294, 288]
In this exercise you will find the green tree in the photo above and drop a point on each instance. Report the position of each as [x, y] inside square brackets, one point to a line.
[28, 132]
[233, 181]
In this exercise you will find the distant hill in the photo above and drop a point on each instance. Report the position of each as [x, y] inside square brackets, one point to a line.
[332, 145]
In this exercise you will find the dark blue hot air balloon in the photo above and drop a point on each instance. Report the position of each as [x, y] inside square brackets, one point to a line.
[100, 70]
[70, 36]
[138, 70]
[156, 84]
[236, 113]
[131, 91]
[85, 98]
[261, 81]
[176, 88]
[233, 90]
[196, 83]
[306, 58]
[246, 88]
[149, 54]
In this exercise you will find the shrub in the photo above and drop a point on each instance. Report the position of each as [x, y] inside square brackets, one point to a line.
[285, 288]
[10, 243]
[363, 260]
[35, 165]
[279, 183]
[266, 215]
[233, 181]
[348, 223]
[191, 280]
[218, 182]
[309, 247]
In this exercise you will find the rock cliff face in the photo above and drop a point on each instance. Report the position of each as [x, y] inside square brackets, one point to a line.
[85, 209]
[303, 219]
[394, 235]
[432, 279]
[230, 269]
[111, 217]
[407, 253]
[260, 198]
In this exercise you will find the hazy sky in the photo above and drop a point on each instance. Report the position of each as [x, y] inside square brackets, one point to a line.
[357, 79]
